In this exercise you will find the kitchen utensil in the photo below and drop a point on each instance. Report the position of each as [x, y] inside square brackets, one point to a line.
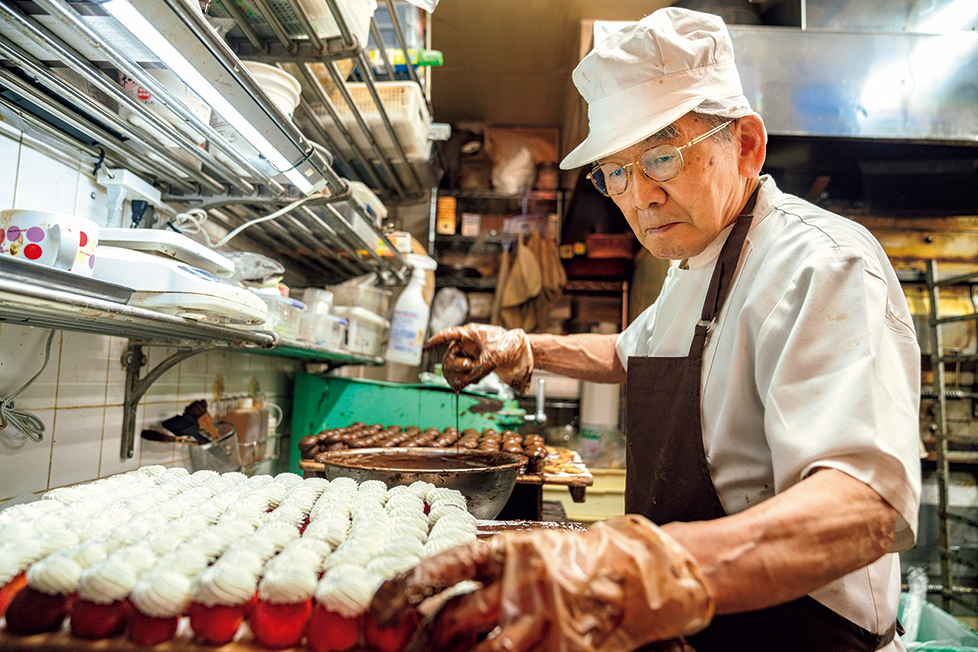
[486, 479]
[170, 244]
[220, 454]
[156, 435]
[187, 427]
[167, 285]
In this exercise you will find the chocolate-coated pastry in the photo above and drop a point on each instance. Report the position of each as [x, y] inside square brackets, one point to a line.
[310, 441]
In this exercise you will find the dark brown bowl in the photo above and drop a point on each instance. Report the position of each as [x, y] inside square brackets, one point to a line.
[486, 479]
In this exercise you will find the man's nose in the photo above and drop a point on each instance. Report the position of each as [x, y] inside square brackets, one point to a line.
[644, 192]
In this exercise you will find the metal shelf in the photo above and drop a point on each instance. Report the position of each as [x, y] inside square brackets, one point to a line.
[32, 305]
[283, 34]
[28, 304]
[950, 561]
[63, 67]
[533, 195]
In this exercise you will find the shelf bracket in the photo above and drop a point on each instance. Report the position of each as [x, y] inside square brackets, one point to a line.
[133, 359]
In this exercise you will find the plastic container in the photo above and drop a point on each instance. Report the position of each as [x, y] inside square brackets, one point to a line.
[284, 315]
[404, 105]
[375, 300]
[412, 24]
[323, 330]
[281, 87]
[251, 424]
[318, 301]
[371, 202]
[410, 322]
[365, 330]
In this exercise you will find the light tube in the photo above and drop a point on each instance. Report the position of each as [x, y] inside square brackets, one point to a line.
[142, 29]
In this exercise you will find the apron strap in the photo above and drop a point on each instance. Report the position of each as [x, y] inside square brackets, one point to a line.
[722, 274]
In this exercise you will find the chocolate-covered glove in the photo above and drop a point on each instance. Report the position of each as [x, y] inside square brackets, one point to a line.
[619, 586]
[475, 350]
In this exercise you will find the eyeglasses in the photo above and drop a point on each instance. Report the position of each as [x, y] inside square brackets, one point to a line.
[659, 163]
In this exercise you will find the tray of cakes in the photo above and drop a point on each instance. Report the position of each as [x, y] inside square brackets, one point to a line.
[544, 464]
[179, 561]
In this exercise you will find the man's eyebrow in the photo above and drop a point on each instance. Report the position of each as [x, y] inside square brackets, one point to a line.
[666, 133]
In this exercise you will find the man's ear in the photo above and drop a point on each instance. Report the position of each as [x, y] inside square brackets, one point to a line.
[752, 140]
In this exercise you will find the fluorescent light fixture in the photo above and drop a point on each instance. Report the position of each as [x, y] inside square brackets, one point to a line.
[134, 21]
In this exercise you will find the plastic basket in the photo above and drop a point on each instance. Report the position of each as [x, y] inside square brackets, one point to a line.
[404, 105]
[220, 455]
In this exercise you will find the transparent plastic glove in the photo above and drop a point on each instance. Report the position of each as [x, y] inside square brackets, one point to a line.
[475, 350]
[619, 586]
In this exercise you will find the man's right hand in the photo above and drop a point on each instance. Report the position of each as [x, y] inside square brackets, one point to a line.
[623, 584]
[475, 350]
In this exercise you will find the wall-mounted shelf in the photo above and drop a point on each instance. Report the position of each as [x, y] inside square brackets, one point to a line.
[29, 304]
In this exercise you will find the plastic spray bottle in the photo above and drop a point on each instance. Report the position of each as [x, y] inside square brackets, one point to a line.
[411, 312]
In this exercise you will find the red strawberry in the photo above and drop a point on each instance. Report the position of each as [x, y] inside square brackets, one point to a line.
[216, 625]
[9, 590]
[278, 626]
[328, 631]
[149, 630]
[393, 639]
[93, 620]
[32, 612]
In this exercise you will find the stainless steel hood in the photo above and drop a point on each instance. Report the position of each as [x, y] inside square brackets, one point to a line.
[861, 84]
[880, 69]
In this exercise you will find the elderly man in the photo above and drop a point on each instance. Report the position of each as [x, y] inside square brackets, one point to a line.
[771, 390]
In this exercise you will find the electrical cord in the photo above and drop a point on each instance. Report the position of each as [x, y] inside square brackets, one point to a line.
[25, 422]
[192, 220]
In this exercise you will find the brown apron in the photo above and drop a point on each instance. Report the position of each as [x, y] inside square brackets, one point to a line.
[668, 480]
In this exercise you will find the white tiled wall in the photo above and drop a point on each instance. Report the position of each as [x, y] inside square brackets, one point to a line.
[79, 395]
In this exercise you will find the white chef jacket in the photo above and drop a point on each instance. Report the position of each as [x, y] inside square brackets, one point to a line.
[813, 362]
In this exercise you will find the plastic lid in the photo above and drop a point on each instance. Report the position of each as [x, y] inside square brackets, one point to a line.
[245, 403]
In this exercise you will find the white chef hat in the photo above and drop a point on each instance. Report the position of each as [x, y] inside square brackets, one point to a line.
[648, 74]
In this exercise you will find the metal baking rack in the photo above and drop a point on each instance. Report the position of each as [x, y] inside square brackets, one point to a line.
[955, 528]
[280, 31]
[61, 75]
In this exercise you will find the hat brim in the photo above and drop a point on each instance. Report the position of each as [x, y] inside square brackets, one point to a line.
[597, 146]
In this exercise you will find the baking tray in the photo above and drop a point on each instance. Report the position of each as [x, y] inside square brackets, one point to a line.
[24, 271]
